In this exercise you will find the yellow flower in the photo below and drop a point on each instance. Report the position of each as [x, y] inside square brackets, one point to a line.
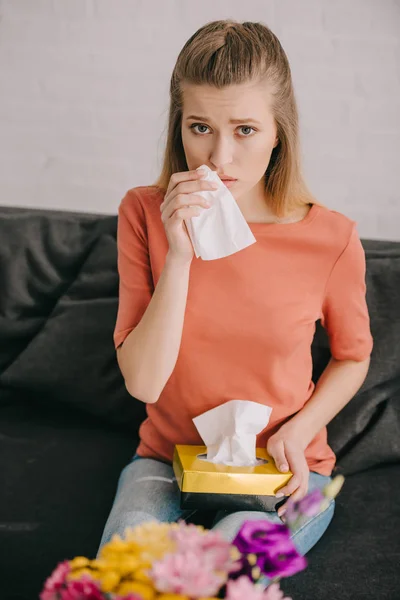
[78, 562]
[146, 543]
[77, 573]
[109, 581]
[235, 554]
[99, 564]
[141, 574]
[333, 488]
[147, 592]
[116, 545]
[152, 539]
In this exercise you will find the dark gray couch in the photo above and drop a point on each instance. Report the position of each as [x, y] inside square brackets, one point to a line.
[68, 426]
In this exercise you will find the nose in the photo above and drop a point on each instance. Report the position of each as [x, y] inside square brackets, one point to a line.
[221, 152]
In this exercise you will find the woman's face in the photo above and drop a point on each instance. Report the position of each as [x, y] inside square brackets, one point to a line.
[242, 149]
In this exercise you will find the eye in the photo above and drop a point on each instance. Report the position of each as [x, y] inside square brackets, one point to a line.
[198, 125]
[241, 127]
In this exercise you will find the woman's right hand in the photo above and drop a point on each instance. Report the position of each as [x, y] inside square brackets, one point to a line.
[180, 202]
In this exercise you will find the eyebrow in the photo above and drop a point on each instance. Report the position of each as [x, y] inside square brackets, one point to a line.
[235, 121]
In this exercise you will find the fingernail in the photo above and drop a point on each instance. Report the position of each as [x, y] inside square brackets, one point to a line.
[283, 468]
[279, 495]
[214, 185]
[201, 171]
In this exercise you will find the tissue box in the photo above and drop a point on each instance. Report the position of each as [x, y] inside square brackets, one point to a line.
[206, 485]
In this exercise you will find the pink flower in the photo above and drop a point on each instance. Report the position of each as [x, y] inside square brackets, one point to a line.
[244, 588]
[128, 597]
[55, 582]
[82, 589]
[274, 592]
[190, 538]
[188, 573]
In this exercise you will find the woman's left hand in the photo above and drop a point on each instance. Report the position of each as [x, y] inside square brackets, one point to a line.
[287, 449]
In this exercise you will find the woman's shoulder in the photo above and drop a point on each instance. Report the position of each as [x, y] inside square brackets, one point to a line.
[142, 198]
[334, 225]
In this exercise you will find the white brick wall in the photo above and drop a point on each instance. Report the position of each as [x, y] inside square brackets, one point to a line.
[84, 97]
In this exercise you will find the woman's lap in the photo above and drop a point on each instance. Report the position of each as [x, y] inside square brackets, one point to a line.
[147, 490]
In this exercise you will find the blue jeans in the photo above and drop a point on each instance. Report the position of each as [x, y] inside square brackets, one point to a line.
[147, 490]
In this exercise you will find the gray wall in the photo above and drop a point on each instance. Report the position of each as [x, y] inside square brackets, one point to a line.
[84, 97]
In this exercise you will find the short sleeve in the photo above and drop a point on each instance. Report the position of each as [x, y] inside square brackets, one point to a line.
[344, 311]
[135, 277]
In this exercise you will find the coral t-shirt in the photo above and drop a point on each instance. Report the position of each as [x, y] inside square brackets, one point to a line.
[250, 318]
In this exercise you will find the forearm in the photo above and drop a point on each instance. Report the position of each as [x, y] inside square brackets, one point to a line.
[337, 385]
[149, 353]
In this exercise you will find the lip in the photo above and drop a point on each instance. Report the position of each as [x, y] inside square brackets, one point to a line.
[229, 182]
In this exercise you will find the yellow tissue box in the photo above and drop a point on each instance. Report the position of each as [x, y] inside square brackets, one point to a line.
[207, 485]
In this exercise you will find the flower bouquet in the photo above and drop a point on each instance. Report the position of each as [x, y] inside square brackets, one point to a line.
[179, 561]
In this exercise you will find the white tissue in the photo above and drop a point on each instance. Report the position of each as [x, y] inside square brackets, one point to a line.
[220, 230]
[229, 431]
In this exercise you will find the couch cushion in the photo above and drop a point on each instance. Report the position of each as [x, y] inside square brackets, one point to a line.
[61, 470]
[358, 556]
[58, 313]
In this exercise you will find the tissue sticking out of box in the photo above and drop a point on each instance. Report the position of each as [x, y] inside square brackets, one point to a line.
[229, 431]
[220, 230]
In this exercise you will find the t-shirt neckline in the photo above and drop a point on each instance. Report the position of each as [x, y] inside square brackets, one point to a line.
[307, 219]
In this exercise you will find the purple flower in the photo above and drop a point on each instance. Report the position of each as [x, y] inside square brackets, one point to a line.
[282, 564]
[259, 536]
[276, 553]
[307, 507]
[310, 505]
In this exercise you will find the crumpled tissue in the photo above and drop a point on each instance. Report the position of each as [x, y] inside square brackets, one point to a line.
[220, 230]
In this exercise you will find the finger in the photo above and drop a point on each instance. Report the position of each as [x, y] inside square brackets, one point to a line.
[277, 451]
[188, 187]
[299, 468]
[290, 487]
[183, 201]
[186, 212]
[300, 492]
[182, 176]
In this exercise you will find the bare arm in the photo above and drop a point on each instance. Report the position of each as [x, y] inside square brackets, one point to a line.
[148, 355]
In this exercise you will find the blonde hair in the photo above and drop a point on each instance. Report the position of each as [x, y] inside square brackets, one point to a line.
[224, 53]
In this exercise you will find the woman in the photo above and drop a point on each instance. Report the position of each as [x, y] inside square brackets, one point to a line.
[193, 334]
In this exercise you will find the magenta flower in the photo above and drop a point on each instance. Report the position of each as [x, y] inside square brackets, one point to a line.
[84, 588]
[244, 588]
[187, 573]
[282, 564]
[309, 506]
[55, 582]
[276, 553]
[260, 536]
